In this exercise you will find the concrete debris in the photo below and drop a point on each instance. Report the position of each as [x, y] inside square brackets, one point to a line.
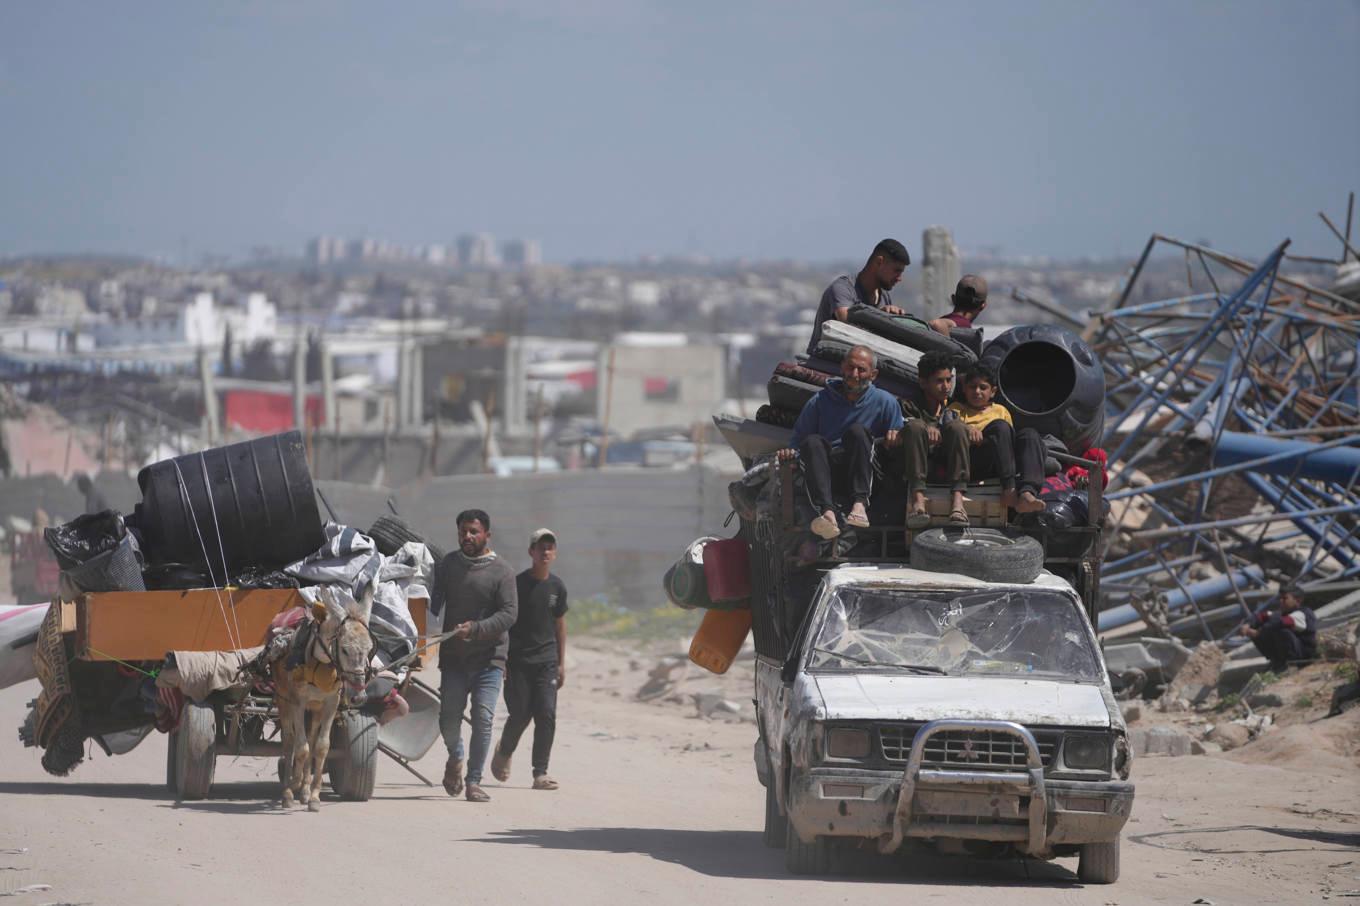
[712, 704]
[669, 672]
[1159, 741]
[1198, 678]
[1265, 700]
[1131, 712]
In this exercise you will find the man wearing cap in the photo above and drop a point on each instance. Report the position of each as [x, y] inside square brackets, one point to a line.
[536, 667]
[1289, 634]
[970, 298]
[870, 287]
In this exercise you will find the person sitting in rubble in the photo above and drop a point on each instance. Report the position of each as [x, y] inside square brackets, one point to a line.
[933, 437]
[844, 418]
[969, 299]
[869, 287]
[1285, 635]
[996, 449]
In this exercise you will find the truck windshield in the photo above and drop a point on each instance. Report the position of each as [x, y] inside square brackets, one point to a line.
[968, 633]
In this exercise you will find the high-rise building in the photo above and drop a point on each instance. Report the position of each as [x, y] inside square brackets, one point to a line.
[521, 253]
[325, 250]
[477, 250]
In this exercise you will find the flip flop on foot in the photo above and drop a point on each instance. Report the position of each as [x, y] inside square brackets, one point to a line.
[476, 794]
[958, 516]
[917, 519]
[544, 782]
[1028, 503]
[453, 777]
[857, 518]
[825, 528]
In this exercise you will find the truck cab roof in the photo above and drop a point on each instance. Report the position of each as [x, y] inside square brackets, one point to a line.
[871, 574]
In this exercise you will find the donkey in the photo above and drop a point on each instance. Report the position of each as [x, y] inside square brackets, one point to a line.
[336, 661]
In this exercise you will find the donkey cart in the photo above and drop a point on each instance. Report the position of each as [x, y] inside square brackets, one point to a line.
[97, 657]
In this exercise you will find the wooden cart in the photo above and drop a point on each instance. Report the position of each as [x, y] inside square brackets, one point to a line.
[85, 645]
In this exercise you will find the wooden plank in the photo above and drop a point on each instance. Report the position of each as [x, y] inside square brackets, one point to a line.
[144, 625]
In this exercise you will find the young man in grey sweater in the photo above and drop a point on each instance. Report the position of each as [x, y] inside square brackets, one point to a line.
[475, 589]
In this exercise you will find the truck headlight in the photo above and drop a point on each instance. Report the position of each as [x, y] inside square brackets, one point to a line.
[847, 743]
[1086, 752]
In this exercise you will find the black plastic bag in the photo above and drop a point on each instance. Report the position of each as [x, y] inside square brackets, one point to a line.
[85, 537]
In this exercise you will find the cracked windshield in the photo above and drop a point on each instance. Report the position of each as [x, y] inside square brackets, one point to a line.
[1017, 633]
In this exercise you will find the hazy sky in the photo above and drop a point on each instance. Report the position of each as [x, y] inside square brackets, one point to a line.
[609, 129]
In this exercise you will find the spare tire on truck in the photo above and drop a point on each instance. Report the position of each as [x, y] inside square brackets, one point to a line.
[1052, 382]
[985, 554]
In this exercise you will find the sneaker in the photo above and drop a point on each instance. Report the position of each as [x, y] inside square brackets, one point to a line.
[453, 777]
[500, 765]
[544, 782]
[476, 794]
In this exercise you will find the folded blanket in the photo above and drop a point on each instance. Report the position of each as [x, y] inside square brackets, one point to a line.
[198, 674]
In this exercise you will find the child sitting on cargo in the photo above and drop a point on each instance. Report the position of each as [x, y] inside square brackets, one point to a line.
[995, 443]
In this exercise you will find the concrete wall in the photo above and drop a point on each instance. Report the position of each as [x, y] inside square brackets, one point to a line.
[619, 530]
[698, 372]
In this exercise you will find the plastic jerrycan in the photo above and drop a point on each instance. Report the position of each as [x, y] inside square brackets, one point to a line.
[719, 639]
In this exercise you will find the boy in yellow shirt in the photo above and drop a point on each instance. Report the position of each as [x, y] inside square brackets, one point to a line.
[993, 440]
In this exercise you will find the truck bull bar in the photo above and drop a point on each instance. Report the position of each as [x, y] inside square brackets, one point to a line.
[1029, 783]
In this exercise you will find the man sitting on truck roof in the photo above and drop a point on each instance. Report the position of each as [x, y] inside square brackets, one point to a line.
[869, 287]
[970, 298]
[846, 416]
[931, 436]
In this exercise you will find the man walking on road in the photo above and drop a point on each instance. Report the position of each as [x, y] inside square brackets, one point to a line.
[536, 667]
[476, 590]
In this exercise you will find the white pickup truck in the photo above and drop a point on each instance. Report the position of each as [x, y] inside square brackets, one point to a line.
[941, 708]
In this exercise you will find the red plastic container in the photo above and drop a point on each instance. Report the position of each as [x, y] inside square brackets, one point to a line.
[727, 570]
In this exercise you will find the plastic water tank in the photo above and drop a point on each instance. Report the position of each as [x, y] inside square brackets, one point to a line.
[248, 504]
[1052, 382]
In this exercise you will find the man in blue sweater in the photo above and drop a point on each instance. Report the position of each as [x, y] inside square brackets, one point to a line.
[846, 416]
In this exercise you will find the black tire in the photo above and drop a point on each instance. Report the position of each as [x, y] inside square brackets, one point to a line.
[354, 773]
[391, 532]
[908, 332]
[776, 825]
[806, 858]
[985, 554]
[195, 752]
[1099, 863]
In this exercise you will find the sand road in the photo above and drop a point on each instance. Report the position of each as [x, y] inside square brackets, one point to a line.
[656, 807]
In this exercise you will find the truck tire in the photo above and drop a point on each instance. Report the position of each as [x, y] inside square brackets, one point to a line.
[170, 757]
[1099, 863]
[985, 554]
[806, 858]
[355, 772]
[389, 533]
[776, 825]
[195, 745]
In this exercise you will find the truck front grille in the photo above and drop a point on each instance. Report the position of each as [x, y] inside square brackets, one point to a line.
[966, 749]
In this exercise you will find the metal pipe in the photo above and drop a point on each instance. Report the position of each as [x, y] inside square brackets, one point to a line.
[1334, 460]
[1244, 520]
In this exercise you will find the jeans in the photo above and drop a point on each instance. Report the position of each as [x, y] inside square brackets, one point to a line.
[531, 695]
[483, 685]
[857, 454]
[1279, 645]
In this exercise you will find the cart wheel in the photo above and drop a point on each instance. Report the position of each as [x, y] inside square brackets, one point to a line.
[354, 771]
[195, 751]
[171, 746]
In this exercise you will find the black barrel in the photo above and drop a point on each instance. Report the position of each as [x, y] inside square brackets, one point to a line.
[1052, 382]
[250, 504]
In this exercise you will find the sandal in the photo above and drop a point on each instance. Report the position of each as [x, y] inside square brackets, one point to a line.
[544, 782]
[825, 528]
[857, 520]
[500, 765]
[958, 516]
[917, 519]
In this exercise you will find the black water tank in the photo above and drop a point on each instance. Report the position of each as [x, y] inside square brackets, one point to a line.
[251, 504]
[1052, 382]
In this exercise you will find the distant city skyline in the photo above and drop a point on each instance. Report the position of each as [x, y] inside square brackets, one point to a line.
[612, 130]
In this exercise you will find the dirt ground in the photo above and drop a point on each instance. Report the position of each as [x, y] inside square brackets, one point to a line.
[656, 803]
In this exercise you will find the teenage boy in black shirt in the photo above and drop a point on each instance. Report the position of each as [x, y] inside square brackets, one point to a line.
[536, 667]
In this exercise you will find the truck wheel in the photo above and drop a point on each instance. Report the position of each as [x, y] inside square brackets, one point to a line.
[985, 554]
[355, 772]
[806, 858]
[1099, 863]
[776, 825]
[195, 752]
